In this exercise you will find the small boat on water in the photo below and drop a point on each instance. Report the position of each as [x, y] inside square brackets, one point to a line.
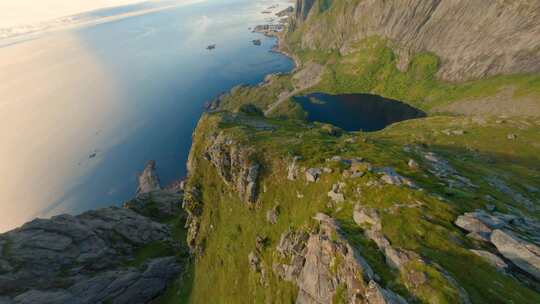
[257, 42]
[211, 47]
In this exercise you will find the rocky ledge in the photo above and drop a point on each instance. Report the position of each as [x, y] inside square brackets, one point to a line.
[93, 257]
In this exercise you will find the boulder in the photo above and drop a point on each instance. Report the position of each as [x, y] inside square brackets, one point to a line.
[336, 193]
[368, 216]
[313, 174]
[375, 294]
[473, 225]
[492, 259]
[391, 177]
[523, 254]
[413, 164]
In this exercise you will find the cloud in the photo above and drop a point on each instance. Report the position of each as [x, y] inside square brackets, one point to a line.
[22, 12]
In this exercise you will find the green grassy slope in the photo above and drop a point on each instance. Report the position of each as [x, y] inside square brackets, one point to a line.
[229, 227]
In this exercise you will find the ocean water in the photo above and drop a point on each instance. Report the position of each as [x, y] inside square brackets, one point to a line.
[356, 112]
[83, 110]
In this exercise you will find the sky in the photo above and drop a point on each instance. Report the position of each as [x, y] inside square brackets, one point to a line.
[22, 12]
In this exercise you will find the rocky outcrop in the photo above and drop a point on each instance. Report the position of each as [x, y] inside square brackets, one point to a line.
[193, 206]
[153, 200]
[158, 204]
[473, 38]
[391, 177]
[80, 259]
[322, 262]
[84, 258]
[395, 257]
[502, 231]
[148, 180]
[236, 165]
[313, 174]
[401, 259]
[523, 254]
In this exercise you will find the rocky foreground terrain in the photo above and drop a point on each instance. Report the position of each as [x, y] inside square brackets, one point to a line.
[99, 256]
[276, 209]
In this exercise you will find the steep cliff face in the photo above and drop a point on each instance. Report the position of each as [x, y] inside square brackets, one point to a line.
[473, 38]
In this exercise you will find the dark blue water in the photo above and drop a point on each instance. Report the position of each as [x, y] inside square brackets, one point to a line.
[356, 112]
[165, 75]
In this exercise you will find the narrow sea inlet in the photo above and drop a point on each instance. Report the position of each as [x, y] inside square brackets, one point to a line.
[82, 110]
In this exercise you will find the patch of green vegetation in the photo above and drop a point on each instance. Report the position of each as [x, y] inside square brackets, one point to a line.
[423, 223]
[151, 251]
[324, 5]
[262, 96]
[372, 68]
[180, 289]
[341, 295]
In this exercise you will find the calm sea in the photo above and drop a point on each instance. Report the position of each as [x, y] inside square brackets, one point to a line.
[154, 77]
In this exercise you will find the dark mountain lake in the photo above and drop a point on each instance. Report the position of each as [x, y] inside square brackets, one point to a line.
[356, 112]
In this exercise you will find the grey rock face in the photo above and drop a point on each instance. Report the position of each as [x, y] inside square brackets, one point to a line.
[320, 262]
[473, 225]
[160, 203]
[500, 42]
[523, 254]
[193, 205]
[122, 286]
[44, 297]
[148, 180]
[151, 199]
[236, 166]
[502, 187]
[56, 255]
[441, 168]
